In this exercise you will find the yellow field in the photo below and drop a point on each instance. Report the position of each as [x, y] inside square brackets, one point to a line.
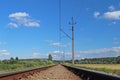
[107, 66]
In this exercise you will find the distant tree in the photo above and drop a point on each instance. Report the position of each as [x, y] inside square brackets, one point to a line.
[13, 61]
[77, 61]
[11, 58]
[16, 58]
[105, 60]
[50, 57]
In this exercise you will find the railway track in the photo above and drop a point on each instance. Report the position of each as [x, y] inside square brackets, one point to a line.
[58, 72]
[86, 74]
[21, 74]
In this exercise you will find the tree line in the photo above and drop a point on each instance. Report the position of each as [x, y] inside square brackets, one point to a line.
[17, 60]
[107, 60]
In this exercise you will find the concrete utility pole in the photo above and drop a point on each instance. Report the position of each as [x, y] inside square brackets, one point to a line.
[61, 30]
[73, 23]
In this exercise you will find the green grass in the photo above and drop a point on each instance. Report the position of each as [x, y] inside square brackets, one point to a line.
[24, 65]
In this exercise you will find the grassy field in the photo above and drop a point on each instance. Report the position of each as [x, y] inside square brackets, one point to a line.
[109, 68]
[23, 65]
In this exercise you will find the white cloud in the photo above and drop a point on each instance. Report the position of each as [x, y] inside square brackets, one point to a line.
[95, 53]
[32, 24]
[96, 14]
[57, 55]
[38, 55]
[13, 25]
[34, 55]
[116, 41]
[56, 52]
[102, 51]
[111, 8]
[4, 53]
[57, 44]
[114, 15]
[18, 15]
[22, 19]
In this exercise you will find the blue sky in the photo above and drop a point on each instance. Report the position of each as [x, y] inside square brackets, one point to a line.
[30, 28]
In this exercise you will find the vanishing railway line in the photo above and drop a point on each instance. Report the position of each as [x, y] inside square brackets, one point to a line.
[58, 72]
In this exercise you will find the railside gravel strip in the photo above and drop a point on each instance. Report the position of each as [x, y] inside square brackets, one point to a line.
[86, 74]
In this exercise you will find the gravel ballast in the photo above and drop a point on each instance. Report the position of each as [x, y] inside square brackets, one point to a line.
[54, 73]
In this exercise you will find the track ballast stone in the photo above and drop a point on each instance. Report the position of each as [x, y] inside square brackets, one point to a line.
[54, 73]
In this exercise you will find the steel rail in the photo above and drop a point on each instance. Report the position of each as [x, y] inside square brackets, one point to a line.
[21, 74]
[86, 74]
